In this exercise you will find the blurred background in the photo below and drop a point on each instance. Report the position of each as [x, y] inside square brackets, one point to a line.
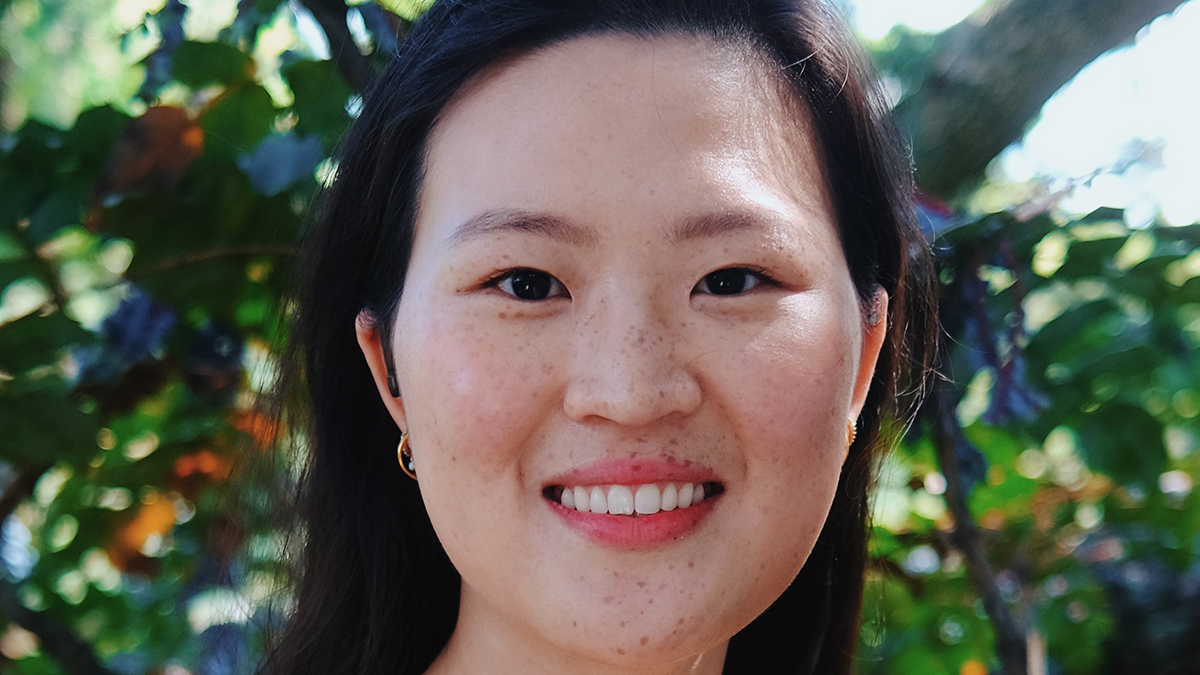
[156, 161]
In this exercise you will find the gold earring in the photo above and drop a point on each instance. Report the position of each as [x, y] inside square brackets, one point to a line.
[851, 434]
[404, 456]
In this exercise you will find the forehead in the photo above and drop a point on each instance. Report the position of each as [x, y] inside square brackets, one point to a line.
[619, 122]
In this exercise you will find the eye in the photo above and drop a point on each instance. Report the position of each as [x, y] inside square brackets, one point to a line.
[530, 285]
[729, 281]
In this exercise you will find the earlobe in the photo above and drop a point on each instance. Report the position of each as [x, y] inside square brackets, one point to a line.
[379, 360]
[875, 325]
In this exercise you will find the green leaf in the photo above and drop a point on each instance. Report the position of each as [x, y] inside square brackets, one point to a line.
[199, 64]
[406, 9]
[320, 100]
[1125, 442]
[1188, 292]
[94, 134]
[12, 270]
[1090, 258]
[37, 340]
[45, 426]
[61, 209]
[38, 664]
[1062, 332]
[238, 122]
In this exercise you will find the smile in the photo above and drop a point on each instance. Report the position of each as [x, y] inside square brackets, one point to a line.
[635, 503]
[633, 500]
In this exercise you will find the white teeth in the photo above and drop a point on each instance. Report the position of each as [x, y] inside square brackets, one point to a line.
[598, 501]
[685, 495]
[646, 501]
[670, 498]
[620, 500]
[628, 500]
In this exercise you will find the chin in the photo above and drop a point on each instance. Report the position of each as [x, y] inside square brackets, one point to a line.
[661, 623]
[645, 642]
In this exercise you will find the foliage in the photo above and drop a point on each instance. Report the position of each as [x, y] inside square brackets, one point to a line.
[141, 256]
[143, 245]
[1076, 345]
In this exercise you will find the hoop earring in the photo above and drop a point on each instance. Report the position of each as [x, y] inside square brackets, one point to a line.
[404, 456]
[851, 434]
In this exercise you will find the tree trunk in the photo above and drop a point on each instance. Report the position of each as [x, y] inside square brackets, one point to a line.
[989, 76]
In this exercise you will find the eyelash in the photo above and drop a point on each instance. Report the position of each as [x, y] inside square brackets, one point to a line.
[499, 277]
[759, 273]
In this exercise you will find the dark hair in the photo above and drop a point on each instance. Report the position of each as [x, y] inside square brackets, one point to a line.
[376, 593]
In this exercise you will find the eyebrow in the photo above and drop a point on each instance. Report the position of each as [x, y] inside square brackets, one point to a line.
[702, 226]
[716, 225]
[511, 220]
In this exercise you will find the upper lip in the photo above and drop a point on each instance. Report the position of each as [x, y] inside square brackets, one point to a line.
[636, 471]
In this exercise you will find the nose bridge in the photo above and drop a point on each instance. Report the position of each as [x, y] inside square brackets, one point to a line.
[626, 365]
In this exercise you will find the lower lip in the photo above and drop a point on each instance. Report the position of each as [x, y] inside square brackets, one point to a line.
[632, 532]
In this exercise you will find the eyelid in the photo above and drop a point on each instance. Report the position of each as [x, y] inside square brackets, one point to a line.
[762, 277]
[497, 279]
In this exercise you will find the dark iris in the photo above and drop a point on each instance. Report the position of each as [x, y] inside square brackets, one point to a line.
[726, 282]
[531, 285]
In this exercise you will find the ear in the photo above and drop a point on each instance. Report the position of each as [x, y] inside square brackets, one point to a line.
[874, 333]
[366, 328]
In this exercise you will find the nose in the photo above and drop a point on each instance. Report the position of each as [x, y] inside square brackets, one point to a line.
[627, 367]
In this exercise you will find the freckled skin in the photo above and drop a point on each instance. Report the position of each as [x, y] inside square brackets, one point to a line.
[624, 137]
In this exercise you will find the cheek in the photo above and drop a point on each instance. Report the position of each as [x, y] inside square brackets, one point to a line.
[788, 393]
[469, 383]
[791, 386]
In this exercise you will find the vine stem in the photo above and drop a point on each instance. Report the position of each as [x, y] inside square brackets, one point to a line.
[354, 67]
[1010, 639]
[204, 255]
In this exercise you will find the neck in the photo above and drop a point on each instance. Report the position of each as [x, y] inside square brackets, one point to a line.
[487, 641]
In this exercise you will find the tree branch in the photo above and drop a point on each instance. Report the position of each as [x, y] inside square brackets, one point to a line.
[73, 654]
[21, 487]
[1010, 639]
[354, 68]
[988, 76]
[888, 567]
[204, 255]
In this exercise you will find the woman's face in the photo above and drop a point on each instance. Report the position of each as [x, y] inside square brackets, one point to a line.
[625, 273]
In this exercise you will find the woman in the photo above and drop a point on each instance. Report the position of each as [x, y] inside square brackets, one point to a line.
[630, 285]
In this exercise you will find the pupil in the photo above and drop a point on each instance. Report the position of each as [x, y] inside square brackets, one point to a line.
[727, 282]
[531, 285]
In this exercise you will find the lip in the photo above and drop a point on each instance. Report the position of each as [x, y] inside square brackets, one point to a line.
[636, 471]
[640, 532]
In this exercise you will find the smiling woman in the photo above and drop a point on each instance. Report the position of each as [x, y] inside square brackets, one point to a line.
[628, 288]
